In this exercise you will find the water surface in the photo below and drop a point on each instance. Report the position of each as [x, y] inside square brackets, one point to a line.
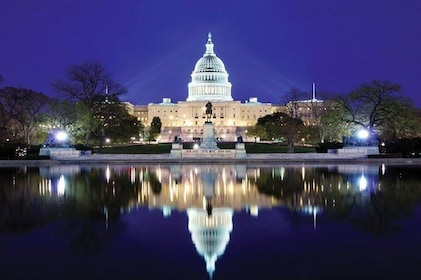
[210, 221]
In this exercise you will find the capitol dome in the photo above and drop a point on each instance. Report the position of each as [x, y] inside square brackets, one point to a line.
[209, 79]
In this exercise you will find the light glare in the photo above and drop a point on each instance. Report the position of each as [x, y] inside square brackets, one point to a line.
[362, 134]
[61, 135]
[362, 182]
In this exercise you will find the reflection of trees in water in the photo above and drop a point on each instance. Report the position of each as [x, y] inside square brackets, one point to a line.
[378, 210]
[94, 207]
[156, 186]
[279, 186]
[396, 200]
[21, 206]
[85, 234]
[290, 186]
[88, 212]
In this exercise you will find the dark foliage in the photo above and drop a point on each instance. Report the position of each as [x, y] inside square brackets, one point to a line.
[15, 151]
[406, 147]
[324, 147]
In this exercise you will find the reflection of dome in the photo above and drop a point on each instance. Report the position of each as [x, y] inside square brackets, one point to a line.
[210, 234]
[209, 78]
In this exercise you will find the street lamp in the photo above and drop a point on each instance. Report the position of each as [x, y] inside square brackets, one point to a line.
[61, 136]
[363, 134]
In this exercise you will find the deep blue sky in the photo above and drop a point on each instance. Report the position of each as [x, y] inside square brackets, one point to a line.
[267, 46]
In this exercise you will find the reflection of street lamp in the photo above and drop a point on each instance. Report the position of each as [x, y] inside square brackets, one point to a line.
[362, 183]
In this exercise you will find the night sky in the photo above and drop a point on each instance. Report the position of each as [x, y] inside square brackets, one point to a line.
[267, 46]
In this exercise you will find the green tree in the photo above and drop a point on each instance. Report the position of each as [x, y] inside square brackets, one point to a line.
[114, 121]
[318, 133]
[332, 124]
[406, 122]
[87, 84]
[257, 131]
[281, 126]
[155, 129]
[64, 114]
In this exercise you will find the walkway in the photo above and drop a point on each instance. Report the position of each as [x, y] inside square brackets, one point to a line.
[273, 158]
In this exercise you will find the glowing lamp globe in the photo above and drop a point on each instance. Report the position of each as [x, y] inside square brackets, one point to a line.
[61, 136]
[362, 134]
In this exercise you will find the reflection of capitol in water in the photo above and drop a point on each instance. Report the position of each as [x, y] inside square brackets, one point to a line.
[210, 194]
[189, 186]
[210, 233]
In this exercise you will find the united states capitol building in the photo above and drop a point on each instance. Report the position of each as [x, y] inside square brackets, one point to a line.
[210, 83]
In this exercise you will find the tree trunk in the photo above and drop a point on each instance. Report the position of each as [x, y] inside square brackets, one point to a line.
[88, 135]
[25, 135]
[290, 145]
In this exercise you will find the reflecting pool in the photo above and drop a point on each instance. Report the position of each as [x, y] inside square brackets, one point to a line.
[210, 222]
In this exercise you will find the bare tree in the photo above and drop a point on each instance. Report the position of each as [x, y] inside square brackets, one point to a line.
[294, 97]
[293, 125]
[23, 106]
[319, 110]
[7, 112]
[370, 105]
[87, 84]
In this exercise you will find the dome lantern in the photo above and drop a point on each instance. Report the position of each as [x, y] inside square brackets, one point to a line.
[209, 46]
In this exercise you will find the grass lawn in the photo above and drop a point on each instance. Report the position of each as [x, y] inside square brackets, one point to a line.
[254, 148]
[166, 148]
[135, 149]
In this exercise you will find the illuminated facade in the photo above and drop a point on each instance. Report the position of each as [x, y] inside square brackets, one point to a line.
[231, 118]
[209, 82]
